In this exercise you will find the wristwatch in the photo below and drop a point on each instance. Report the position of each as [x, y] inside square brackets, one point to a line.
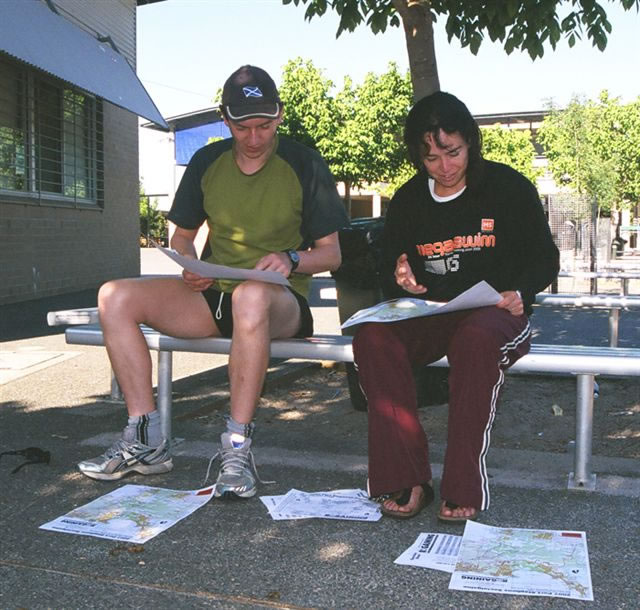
[294, 257]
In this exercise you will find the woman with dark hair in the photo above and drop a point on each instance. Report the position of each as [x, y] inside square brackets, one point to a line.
[443, 112]
[460, 220]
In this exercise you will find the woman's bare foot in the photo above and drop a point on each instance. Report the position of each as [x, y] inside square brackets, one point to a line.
[452, 512]
[401, 507]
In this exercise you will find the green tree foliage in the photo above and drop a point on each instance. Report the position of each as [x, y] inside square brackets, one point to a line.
[405, 172]
[527, 25]
[512, 147]
[310, 115]
[368, 146]
[358, 130]
[594, 148]
[153, 224]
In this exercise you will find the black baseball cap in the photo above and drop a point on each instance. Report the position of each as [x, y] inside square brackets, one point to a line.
[250, 93]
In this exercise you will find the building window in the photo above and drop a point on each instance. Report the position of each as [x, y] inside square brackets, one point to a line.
[51, 145]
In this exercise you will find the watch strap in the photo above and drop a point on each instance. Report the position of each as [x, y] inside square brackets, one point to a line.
[294, 257]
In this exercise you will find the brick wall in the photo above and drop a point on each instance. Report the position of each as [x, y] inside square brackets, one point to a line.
[47, 249]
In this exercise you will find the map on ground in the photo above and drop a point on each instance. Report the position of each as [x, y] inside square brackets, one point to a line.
[132, 513]
[479, 295]
[515, 561]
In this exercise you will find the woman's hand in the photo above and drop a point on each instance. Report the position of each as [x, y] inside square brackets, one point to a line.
[512, 302]
[405, 278]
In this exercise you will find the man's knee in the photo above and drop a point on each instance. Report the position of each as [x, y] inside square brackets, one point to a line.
[109, 295]
[251, 302]
[116, 298]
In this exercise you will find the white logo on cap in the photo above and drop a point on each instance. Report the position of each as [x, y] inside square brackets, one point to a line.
[252, 91]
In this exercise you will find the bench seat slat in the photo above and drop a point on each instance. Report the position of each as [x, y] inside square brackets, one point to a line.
[563, 359]
[587, 300]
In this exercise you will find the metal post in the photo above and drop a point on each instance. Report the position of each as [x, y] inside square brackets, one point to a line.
[116, 393]
[614, 318]
[148, 219]
[593, 245]
[165, 375]
[582, 478]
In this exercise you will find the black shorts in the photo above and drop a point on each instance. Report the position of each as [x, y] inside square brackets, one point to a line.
[223, 317]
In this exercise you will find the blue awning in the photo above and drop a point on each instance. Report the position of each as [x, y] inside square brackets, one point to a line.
[191, 139]
[34, 34]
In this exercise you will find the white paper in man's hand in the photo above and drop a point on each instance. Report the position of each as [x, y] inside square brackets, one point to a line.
[221, 272]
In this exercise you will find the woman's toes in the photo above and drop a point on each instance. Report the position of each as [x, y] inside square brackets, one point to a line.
[465, 512]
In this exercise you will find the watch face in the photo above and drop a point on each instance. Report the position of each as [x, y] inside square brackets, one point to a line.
[294, 256]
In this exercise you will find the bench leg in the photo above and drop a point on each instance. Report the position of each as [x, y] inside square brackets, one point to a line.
[614, 318]
[116, 393]
[582, 478]
[165, 380]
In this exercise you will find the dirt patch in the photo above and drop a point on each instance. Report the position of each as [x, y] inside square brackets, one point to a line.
[535, 412]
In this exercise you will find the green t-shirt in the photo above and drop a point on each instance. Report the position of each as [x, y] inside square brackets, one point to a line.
[287, 204]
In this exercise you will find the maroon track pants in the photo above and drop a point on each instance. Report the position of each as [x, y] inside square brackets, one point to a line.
[479, 344]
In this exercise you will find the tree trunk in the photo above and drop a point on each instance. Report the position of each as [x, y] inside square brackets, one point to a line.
[347, 197]
[418, 32]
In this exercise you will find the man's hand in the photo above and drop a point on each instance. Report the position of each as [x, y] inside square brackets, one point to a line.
[182, 241]
[275, 261]
[196, 282]
[405, 278]
[512, 302]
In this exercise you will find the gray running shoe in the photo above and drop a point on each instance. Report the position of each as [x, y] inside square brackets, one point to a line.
[237, 476]
[124, 457]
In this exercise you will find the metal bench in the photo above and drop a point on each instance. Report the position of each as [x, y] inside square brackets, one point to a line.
[582, 361]
[614, 303]
[624, 277]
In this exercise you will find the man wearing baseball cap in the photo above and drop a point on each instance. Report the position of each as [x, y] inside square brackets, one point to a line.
[248, 93]
[271, 204]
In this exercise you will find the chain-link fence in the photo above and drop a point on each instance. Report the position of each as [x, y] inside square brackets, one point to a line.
[584, 240]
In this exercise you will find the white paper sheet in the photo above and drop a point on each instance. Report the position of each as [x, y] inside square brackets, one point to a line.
[479, 295]
[205, 269]
[432, 550]
[348, 504]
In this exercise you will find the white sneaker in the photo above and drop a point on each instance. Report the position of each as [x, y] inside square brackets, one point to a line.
[124, 457]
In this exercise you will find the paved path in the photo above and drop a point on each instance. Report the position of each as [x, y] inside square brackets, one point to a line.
[232, 555]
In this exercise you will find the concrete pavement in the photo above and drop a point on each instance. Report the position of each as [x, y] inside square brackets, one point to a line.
[233, 555]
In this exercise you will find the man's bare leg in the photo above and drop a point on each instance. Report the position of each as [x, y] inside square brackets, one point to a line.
[164, 304]
[261, 312]
[169, 306]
